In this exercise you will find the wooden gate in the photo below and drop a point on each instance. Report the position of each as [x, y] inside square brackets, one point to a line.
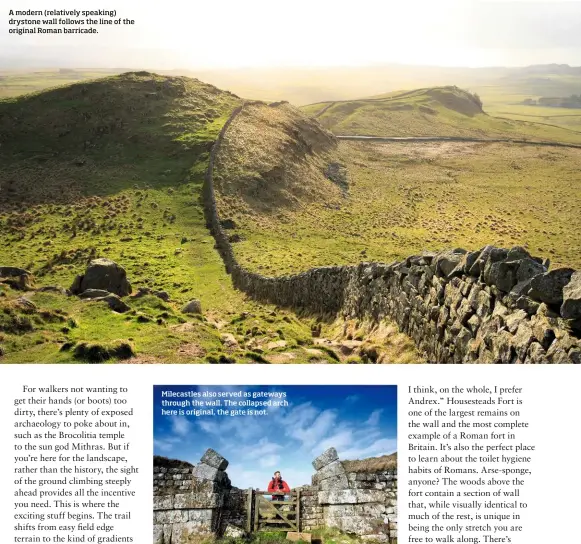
[265, 514]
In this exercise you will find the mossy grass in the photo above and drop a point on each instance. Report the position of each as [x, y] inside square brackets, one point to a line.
[122, 162]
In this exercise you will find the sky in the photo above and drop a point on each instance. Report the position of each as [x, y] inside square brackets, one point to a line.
[260, 33]
[359, 421]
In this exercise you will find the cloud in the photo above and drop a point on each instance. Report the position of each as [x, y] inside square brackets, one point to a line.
[181, 426]
[374, 417]
[338, 440]
[228, 429]
[269, 461]
[308, 425]
[384, 446]
[299, 416]
[263, 447]
[163, 445]
[209, 426]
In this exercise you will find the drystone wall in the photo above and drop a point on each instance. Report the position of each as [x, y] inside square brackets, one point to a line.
[199, 500]
[363, 503]
[189, 500]
[494, 305]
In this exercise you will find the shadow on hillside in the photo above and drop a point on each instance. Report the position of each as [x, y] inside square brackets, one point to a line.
[101, 137]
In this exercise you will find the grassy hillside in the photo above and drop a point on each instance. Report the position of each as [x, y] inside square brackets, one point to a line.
[264, 176]
[114, 168]
[404, 198]
[274, 158]
[276, 174]
[437, 111]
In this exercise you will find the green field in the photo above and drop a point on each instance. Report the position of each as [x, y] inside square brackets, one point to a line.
[503, 98]
[114, 168]
[408, 197]
[569, 118]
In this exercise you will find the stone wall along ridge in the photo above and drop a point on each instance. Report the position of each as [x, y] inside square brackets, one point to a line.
[494, 305]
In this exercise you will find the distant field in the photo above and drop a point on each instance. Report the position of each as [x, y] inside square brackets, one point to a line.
[406, 198]
[302, 86]
[16, 83]
[504, 100]
[569, 118]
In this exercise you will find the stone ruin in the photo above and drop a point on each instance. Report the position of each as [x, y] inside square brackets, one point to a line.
[355, 497]
[352, 497]
[188, 499]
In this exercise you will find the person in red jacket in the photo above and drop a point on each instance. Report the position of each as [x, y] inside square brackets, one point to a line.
[278, 485]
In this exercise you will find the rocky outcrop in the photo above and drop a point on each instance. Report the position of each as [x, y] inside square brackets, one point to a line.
[493, 305]
[17, 278]
[571, 308]
[100, 295]
[105, 275]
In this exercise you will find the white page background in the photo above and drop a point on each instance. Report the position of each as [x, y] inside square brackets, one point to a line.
[551, 398]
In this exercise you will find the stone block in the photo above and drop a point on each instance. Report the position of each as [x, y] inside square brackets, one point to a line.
[198, 500]
[158, 534]
[214, 459]
[335, 483]
[382, 538]
[339, 510]
[361, 525]
[181, 532]
[206, 472]
[347, 496]
[170, 516]
[201, 515]
[163, 502]
[332, 469]
[204, 486]
[373, 510]
[571, 307]
[326, 458]
[370, 495]
[167, 530]
[296, 537]
[232, 531]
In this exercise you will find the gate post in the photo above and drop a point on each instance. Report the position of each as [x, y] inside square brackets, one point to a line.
[249, 511]
[256, 501]
[298, 506]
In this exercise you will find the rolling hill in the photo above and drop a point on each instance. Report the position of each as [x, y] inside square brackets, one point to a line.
[113, 168]
[437, 111]
[406, 197]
